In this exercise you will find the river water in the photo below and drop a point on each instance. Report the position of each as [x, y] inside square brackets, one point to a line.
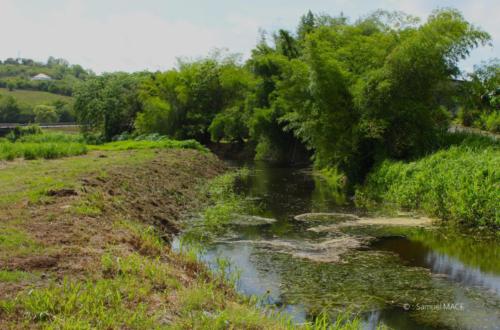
[400, 276]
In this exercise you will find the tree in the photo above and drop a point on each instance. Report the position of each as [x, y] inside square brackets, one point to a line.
[307, 25]
[11, 86]
[9, 109]
[182, 103]
[157, 117]
[108, 104]
[286, 44]
[45, 114]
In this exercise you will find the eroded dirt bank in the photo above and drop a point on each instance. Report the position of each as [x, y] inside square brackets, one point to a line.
[102, 221]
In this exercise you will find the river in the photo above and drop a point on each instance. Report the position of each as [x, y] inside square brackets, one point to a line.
[404, 277]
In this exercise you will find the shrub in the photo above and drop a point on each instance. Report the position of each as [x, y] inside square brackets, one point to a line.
[460, 184]
[21, 131]
[29, 150]
[162, 143]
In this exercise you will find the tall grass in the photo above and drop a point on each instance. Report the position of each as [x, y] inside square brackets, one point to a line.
[32, 150]
[460, 184]
[30, 143]
[161, 144]
[55, 137]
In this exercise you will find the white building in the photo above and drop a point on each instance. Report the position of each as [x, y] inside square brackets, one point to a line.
[41, 76]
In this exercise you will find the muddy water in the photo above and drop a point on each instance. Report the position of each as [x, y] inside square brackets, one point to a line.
[405, 277]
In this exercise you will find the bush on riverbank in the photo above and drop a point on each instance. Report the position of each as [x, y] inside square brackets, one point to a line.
[460, 184]
[30, 143]
[30, 150]
[163, 144]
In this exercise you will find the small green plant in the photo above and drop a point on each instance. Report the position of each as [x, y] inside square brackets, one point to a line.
[224, 202]
[103, 304]
[92, 205]
[13, 275]
[147, 239]
[14, 241]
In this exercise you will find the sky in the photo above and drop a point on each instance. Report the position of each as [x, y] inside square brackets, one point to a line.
[134, 35]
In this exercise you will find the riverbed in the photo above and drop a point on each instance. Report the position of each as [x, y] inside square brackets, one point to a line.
[305, 250]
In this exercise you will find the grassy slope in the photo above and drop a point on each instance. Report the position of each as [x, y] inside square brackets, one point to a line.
[80, 245]
[34, 98]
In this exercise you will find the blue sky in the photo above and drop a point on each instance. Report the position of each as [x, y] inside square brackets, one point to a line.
[110, 35]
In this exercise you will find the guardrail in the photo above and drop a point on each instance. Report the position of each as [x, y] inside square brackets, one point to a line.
[14, 125]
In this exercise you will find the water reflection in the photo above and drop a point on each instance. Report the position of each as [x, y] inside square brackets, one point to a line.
[370, 282]
[416, 253]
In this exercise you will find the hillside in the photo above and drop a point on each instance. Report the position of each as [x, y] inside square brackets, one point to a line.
[28, 98]
[18, 74]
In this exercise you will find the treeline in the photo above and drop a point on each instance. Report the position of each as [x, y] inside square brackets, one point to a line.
[12, 111]
[351, 93]
[17, 73]
[479, 97]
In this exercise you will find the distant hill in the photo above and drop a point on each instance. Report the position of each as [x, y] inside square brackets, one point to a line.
[30, 91]
[58, 76]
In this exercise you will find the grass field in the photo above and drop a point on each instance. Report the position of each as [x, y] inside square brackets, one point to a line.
[34, 98]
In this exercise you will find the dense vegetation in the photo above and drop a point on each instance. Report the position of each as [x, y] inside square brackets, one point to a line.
[479, 98]
[31, 143]
[18, 73]
[26, 100]
[351, 93]
[459, 184]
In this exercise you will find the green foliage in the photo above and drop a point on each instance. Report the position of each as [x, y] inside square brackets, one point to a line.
[9, 109]
[101, 304]
[149, 240]
[29, 142]
[356, 93]
[230, 125]
[50, 137]
[17, 74]
[21, 131]
[183, 102]
[491, 121]
[224, 202]
[29, 150]
[45, 114]
[164, 143]
[157, 117]
[18, 106]
[459, 184]
[108, 104]
[480, 95]
[14, 241]
[13, 276]
[469, 140]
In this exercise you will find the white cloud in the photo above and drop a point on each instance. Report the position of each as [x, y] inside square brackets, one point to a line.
[103, 37]
[126, 41]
